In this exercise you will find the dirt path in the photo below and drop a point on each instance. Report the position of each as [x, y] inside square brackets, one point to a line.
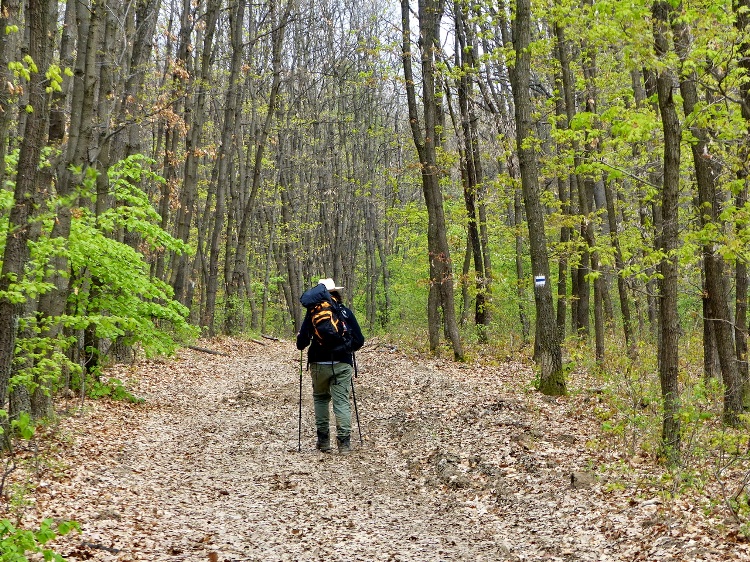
[455, 466]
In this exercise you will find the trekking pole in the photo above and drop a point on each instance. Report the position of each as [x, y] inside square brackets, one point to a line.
[299, 436]
[354, 398]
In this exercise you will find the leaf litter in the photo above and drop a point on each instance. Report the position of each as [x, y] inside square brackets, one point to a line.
[457, 462]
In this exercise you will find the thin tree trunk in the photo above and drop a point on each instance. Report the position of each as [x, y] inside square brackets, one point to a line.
[291, 248]
[742, 12]
[240, 263]
[472, 165]
[441, 275]
[195, 121]
[224, 158]
[709, 211]
[588, 207]
[622, 290]
[652, 289]
[580, 285]
[9, 16]
[521, 278]
[563, 191]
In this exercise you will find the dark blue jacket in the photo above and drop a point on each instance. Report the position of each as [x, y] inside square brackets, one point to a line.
[317, 354]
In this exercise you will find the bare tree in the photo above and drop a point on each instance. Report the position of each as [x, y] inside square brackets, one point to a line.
[441, 272]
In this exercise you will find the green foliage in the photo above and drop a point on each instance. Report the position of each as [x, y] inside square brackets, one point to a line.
[23, 426]
[55, 77]
[111, 388]
[112, 289]
[409, 269]
[629, 405]
[16, 543]
[41, 360]
[112, 293]
[23, 68]
[133, 210]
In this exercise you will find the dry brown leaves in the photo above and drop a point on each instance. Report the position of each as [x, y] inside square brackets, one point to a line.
[459, 462]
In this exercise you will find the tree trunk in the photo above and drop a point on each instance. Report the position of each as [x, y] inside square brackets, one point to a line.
[195, 119]
[668, 240]
[563, 192]
[291, 265]
[521, 278]
[224, 159]
[652, 208]
[472, 164]
[441, 274]
[709, 210]
[622, 290]
[239, 270]
[552, 380]
[580, 286]
[742, 12]
[588, 206]
[34, 138]
[9, 43]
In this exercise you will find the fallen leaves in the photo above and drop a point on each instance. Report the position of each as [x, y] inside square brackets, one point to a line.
[459, 462]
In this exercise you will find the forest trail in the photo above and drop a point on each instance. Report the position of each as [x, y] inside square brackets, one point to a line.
[458, 463]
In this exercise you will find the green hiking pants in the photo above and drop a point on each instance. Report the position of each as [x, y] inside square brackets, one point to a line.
[332, 382]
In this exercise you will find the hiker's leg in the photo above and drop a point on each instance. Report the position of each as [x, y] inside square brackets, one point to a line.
[340, 394]
[321, 379]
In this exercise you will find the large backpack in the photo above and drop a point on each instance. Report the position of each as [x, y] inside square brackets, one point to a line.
[329, 327]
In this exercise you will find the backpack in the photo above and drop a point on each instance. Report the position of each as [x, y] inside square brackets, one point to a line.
[329, 327]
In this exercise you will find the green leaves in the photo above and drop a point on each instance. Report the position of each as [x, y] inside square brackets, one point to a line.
[134, 211]
[112, 288]
[55, 77]
[23, 426]
[15, 543]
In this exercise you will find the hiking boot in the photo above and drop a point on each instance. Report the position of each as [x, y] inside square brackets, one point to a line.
[344, 446]
[324, 442]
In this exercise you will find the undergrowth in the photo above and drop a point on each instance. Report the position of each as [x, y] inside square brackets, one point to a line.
[714, 463]
[23, 463]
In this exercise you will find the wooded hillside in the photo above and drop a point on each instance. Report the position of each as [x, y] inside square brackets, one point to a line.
[563, 180]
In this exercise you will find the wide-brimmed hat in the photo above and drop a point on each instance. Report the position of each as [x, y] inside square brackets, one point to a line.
[329, 284]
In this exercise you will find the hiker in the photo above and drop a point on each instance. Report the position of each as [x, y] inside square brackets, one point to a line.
[330, 364]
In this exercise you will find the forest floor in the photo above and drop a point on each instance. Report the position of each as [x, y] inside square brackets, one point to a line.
[459, 462]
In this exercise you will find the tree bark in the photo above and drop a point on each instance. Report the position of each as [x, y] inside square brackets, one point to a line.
[223, 165]
[552, 380]
[441, 274]
[580, 293]
[668, 240]
[709, 210]
[34, 138]
[742, 23]
[195, 119]
[588, 206]
[627, 323]
[239, 269]
[521, 278]
[9, 42]
[472, 163]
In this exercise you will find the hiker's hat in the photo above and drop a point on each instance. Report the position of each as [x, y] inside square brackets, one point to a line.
[329, 284]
